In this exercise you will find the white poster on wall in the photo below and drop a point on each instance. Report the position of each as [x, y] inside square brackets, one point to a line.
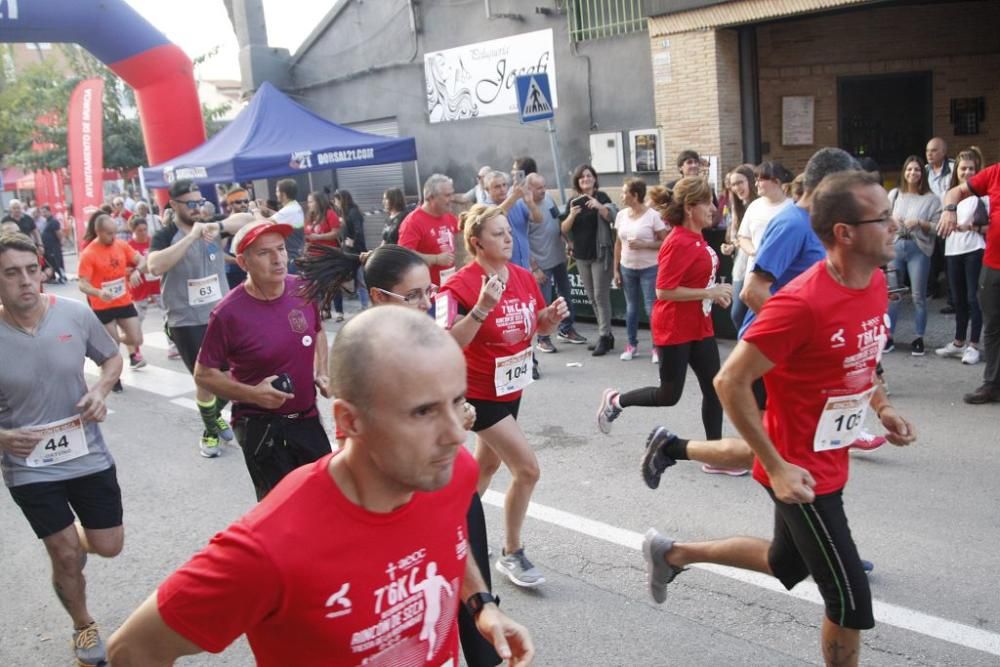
[477, 80]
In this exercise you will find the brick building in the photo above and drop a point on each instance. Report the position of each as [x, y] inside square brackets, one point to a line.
[750, 80]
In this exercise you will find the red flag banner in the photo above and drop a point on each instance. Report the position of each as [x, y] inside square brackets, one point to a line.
[86, 150]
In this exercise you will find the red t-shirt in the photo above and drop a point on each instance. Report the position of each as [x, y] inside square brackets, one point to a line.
[313, 579]
[987, 182]
[150, 285]
[329, 223]
[422, 232]
[106, 267]
[507, 330]
[256, 339]
[685, 260]
[825, 341]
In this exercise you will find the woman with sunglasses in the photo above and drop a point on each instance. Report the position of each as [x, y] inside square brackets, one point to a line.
[493, 308]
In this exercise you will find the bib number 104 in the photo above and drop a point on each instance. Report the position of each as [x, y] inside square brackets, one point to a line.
[516, 373]
[848, 422]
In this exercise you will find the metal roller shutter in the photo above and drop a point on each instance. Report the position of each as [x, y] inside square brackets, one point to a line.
[366, 184]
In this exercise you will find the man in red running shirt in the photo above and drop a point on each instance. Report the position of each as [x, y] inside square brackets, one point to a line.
[816, 343]
[361, 556]
[430, 229]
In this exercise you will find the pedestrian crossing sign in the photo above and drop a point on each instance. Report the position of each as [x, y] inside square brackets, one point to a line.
[534, 100]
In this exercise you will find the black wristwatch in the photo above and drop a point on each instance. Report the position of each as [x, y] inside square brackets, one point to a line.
[477, 601]
[951, 208]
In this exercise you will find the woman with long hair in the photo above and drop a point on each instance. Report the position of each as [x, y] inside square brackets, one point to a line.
[352, 236]
[916, 209]
[493, 308]
[963, 253]
[394, 205]
[323, 229]
[741, 194]
[640, 232]
[587, 223]
[686, 290]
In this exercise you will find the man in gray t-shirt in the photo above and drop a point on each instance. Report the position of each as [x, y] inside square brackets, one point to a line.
[189, 257]
[54, 459]
[548, 260]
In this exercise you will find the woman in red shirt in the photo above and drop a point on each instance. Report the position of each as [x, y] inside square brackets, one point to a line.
[493, 309]
[323, 229]
[682, 315]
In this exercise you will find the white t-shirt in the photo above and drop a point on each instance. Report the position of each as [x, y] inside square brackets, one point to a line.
[643, 228]
[959, 243]
[291, 214]
[755, 221]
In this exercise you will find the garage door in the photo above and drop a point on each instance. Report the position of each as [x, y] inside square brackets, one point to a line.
[366, 184]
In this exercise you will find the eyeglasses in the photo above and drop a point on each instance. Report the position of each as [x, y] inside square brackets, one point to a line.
[884, 221]
[192, 205]
[415, 297]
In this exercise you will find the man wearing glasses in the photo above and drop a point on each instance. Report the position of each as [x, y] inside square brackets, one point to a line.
[271, 340]
[187, 255]
[816, 343]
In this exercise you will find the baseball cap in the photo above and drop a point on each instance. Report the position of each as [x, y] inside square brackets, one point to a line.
[248, 233]
[183, 186]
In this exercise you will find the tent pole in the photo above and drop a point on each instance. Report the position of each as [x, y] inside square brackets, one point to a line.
[311, 188]
[420, 186]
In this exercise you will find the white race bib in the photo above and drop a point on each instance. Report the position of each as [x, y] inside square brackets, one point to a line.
[841, 421]
[204, 290]
[62, 440]
[115, 287]
[447, 273]
[513, 373]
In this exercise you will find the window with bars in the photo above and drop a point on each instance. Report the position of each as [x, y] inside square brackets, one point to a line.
[596, 19]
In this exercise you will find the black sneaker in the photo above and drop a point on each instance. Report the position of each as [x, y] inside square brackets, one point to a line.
[656, 460]
[889, 345]
[118, 388]
[917, 347]
[571, 336]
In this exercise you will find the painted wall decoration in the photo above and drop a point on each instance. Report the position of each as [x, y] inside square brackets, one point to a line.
[477, 80]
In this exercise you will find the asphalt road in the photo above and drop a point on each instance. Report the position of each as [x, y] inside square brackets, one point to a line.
[925, 515]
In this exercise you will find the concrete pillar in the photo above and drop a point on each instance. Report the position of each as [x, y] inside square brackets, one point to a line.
[258, 61]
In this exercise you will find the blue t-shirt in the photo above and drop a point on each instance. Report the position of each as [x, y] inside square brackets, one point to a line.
[788, 248]
[519, 217]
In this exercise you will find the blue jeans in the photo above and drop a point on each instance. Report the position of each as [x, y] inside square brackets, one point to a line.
[558, 278]
[738, 311]
[963, 280]
[639, 284]
[912, 261]
[361, 287]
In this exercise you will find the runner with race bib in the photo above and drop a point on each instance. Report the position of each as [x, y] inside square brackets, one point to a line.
[188, 256]
[493, 308]
[106, 266]
[817, 343]
[54, 459]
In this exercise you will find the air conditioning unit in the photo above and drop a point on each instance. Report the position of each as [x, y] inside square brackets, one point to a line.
[607, 153]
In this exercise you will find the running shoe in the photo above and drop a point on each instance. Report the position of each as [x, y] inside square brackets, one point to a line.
[656, 460]
[89, 647]
[519, 569]
[917, 347]
[629, 353]
[571, 336]
[545, 345]
[118, 388]
[658, 570]
[971, 356]
[172, 352]
[209, 446]
[719, 470]
[654, 357]
[339, 317]
[866, 442]
[889, 345]
[135, 361]
[867, 566]
[950, 350]
[607, 412]
[224, 429]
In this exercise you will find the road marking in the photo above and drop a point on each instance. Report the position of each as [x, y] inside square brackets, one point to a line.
[885, 612]
[155, 379]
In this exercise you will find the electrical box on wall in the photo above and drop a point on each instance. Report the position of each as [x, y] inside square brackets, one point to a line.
[607, 153]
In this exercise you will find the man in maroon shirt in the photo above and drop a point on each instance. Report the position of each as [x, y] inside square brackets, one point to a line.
[272, 341]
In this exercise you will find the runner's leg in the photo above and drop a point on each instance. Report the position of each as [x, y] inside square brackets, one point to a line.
[507, 442]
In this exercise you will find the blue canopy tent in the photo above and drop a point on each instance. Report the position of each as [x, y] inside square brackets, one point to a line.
[274, 136]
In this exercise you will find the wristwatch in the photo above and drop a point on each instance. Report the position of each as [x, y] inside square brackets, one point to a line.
[951, 208]
[477, 601]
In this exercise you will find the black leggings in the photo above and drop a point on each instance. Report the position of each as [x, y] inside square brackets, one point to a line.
[478, 652]
[703, 357]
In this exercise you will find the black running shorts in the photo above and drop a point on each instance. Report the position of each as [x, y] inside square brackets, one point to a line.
[96, 500]
[188, 342]
[814, 539]
[109, 315]
[489, 413]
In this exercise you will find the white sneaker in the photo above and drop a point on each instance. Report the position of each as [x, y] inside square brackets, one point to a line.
[950, 350]
[971, 356]
[628, 354]
[654, 358]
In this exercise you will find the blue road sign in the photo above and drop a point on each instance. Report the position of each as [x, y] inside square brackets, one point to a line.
[534, 101]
